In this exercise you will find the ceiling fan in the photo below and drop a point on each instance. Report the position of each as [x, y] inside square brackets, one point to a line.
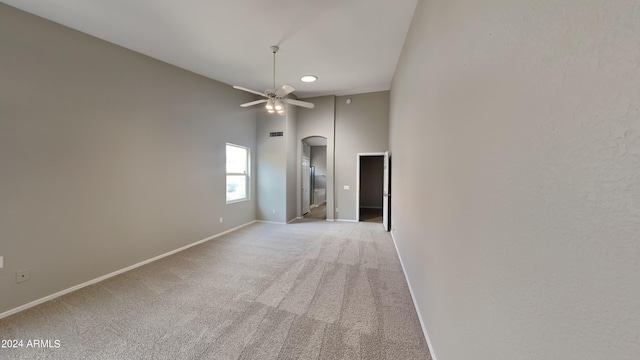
[275, 98]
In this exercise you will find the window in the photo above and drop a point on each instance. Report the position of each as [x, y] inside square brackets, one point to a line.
[237, 173]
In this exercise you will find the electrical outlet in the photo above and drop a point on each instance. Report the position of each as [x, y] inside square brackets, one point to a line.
[221, 220]
[22, 276]
[1, 262]
[274, 211]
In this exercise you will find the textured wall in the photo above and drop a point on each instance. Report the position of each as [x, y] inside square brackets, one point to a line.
[271, 175]
[361, 127]
[292, 168]
[319, 159]
[318, 121]
[515, 135]
[276, 164]
[107, 157]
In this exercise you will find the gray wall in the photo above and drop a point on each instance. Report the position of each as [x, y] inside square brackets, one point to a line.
[276, 166]
[292, 174]
[108, 157]
[319, 161]
[361, 127]
[272, 167]
[318, 121]
[515, 136]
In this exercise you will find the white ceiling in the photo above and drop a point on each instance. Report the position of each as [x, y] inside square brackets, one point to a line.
[351, 45]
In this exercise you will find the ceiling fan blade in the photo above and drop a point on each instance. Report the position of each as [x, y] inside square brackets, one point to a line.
[254, 103]
[305, 104]
[249, 90]
[285, 90]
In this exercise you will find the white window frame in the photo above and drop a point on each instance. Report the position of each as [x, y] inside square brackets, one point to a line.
[246, 174]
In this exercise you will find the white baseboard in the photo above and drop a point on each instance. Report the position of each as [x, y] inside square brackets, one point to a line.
[271, 222]
[294, 219]
[117, 272]
[347, 220]
[424, 328]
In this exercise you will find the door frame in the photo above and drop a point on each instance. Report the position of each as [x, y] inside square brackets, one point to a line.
[305, 180]
[359, 156]
[330, 176]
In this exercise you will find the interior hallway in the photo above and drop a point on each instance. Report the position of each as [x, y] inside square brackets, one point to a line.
[318, 212]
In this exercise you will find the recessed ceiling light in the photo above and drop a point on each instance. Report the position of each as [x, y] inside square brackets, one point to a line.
[309, 78]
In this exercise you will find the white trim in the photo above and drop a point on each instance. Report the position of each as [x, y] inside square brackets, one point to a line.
[237, 201]
[424, 328]
[272, 222]
[117, 272]
[246, 174]
[294, 219]
[347, 220]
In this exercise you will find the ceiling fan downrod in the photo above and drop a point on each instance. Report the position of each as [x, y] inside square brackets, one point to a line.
[274, 50]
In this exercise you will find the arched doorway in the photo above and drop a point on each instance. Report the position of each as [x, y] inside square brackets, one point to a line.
[314, 177]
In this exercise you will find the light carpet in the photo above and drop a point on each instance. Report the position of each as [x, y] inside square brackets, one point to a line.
[307, 290]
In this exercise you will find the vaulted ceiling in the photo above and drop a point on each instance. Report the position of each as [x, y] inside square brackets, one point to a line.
[352, 46]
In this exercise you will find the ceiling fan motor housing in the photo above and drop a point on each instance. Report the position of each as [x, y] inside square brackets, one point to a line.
[276, 98]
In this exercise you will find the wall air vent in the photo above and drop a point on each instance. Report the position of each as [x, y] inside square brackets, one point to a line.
[276, 133]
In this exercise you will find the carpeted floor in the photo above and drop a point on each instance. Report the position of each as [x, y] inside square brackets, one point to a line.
[371, 215]
[307, 290]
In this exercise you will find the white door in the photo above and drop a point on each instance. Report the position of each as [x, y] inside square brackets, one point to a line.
[386, 195]
[306, 184]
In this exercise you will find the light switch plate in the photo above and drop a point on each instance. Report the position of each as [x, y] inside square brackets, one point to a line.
[346, 187]
[1, 262]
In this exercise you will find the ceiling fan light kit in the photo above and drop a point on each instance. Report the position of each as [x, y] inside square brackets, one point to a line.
[275, 98]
